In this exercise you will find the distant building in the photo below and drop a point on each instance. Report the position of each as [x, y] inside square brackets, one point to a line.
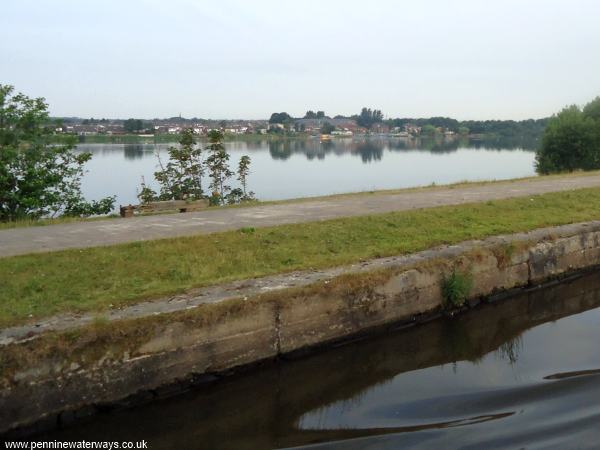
[380, 128]
[315, 125]
[412, 129]
[344, 132]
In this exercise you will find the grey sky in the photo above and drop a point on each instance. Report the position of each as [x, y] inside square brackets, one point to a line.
[245, 59]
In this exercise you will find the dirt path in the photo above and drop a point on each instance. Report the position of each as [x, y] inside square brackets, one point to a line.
[18, 241]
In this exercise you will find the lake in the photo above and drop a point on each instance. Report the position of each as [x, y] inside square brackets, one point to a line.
[519, 373]
[307, 167]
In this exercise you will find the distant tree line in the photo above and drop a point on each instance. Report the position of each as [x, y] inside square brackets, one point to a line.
[137, 126]
[92, 121]
[369, 117]
[502, 128]
[442, 122]
[314, 115]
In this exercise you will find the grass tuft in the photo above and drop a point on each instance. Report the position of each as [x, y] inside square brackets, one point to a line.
[456, 288]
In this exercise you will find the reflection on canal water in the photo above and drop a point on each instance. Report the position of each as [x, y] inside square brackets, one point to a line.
[307, 167]
[520, 373]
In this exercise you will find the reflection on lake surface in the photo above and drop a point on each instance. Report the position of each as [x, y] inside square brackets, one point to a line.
[521, 373]
[307, 167]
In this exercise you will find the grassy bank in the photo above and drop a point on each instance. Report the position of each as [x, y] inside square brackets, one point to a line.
[57, 221]
[35, 286]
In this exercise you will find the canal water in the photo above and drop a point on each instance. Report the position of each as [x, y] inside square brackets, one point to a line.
[307, 167]
[521, 373]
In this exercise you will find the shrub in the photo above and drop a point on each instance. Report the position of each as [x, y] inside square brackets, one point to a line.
[571, 141]
[456, 288]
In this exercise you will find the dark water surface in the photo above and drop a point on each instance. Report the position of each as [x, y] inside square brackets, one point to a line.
[519, 373]
[307, 167]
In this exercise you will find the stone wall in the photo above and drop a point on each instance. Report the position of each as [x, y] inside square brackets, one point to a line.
[57, 375]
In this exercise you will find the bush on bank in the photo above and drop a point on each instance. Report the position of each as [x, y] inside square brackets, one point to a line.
[571, 140]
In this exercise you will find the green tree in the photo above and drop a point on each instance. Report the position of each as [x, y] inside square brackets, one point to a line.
[428, 130]
[133, 125]
[218, 168]
[281, 117]
[571, 141]
[592, 109]
[136, 126]
[242, 172]
[368, 117]
[39, 178]
[320, 115]
[310, 115]
[327, 128]
[181, 177]
[146, 194]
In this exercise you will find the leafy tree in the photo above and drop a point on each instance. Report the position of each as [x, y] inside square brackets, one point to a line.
[181, 177]
[39, 178]
[429, 130]
[592, 109]
[327, 128]
[310, 115]
[146, 194]
[218, 168]
[320, 114]
[281, 117]
[571, 141]
[135, 125]
[132, 125]
[368, 117]
[243, 171]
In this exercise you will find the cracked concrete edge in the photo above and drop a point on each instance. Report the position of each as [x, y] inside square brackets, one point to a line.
[279, 282]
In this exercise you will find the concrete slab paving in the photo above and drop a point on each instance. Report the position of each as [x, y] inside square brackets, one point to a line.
[18, 241]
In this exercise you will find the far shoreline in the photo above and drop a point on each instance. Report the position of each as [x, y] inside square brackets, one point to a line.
[270, 137]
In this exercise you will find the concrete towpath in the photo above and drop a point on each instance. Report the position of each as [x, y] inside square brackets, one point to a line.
[17, 241]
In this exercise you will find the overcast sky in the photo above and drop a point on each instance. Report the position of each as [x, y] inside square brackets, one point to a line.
[469, 59]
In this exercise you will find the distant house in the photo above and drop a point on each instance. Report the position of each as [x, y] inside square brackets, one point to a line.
[380, 128]
[344, 132]
[315, 125]
[399, 132]
[412, 129]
